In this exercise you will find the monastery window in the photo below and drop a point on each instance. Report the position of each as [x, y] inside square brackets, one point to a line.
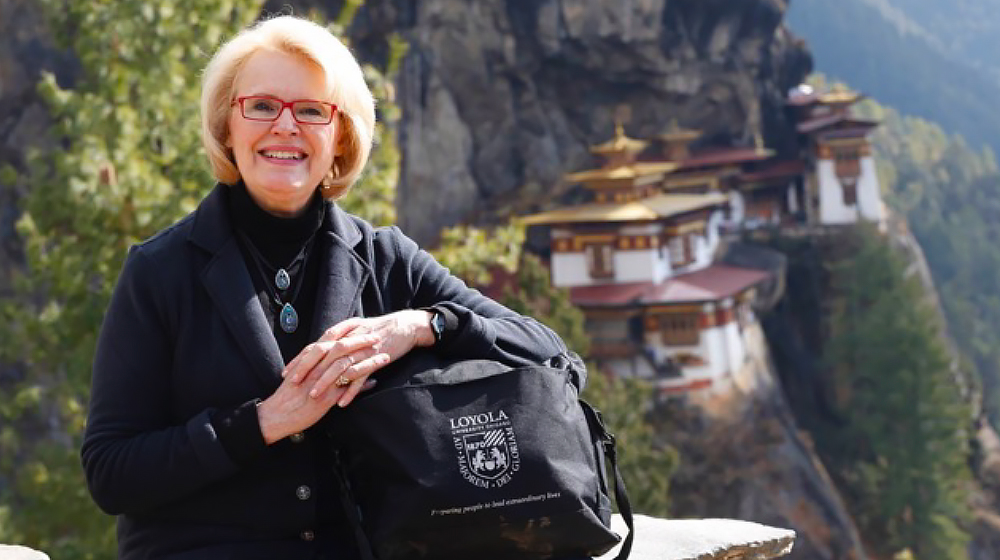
[681, 250]
[847, 162]
[850, 189]
[679, 329]
[605, 330]
[600, 259]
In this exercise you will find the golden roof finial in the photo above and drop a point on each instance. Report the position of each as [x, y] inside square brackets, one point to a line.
[620, 143]
[675, 133]
[758, 142]
[623, 114]
[619, 130]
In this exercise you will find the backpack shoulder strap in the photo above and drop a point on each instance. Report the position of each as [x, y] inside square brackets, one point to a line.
[607, 440]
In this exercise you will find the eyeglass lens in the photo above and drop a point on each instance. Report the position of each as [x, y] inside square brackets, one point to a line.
[268, 109]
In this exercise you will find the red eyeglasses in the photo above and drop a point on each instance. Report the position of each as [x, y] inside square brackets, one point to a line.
[267, 109]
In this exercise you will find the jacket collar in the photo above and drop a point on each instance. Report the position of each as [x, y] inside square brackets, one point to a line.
[343, 273]
[212, 228]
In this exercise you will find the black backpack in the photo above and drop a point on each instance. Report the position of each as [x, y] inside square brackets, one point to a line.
[477, 460]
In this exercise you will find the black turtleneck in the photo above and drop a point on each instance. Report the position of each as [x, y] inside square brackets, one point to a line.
[279, 240]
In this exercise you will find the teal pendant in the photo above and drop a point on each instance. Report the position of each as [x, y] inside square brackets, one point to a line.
[289, 319]
[281, 280]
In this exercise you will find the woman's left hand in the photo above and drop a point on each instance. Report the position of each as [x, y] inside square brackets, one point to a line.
[397, 334]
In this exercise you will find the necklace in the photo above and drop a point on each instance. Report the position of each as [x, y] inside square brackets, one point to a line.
[288, 318]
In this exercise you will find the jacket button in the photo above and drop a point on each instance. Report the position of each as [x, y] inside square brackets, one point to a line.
[303, 492]
[307, 535]
[297, 437]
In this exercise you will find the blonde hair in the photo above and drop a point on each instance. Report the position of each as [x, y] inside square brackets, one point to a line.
[346, 89]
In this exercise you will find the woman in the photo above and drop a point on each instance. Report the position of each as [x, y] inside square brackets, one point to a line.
[200, 438]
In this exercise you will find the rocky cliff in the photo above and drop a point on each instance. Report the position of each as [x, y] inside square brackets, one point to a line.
[504, 95]
[798, 329]
[499, 99]
[743, 456]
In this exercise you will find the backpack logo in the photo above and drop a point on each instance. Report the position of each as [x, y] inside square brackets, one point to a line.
[486, 448]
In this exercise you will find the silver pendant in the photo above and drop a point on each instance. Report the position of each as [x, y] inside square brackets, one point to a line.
[289, 319]
[281, 280]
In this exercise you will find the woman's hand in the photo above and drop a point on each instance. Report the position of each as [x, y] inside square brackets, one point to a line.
[327, 365]
[293, 407]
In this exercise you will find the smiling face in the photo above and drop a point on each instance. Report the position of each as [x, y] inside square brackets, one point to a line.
[282, 162]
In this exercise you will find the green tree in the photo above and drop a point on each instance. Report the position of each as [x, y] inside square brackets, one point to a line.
[647, 462]
[903, 449]
[131, 164]
[949, 193]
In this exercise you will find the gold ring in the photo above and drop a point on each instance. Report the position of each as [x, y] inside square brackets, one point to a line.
[343, 381]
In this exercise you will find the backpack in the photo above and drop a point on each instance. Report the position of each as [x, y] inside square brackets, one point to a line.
[477, 459]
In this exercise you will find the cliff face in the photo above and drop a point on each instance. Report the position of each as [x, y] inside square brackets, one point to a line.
[743, 456]
[499, 95]
[798, 329]
[504, 95]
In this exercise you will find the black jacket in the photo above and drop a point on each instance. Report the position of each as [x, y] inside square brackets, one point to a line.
[185, 335]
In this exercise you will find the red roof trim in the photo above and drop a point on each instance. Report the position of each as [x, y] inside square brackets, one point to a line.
[722, 156]
[820, 123]
[713, 283]
[775, 170]
[694, 385]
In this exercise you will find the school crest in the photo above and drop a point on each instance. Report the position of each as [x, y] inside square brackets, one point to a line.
[486, 448]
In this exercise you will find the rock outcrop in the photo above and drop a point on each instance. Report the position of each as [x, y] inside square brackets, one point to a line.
[504, 95]
[16, 552]
[743, 456]
[702, 539]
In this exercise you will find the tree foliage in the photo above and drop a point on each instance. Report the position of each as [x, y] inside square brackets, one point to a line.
[909, 62]
[129, 163]
[950, 195]
[902, 447]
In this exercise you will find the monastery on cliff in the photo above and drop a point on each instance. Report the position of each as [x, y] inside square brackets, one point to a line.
[639, 258]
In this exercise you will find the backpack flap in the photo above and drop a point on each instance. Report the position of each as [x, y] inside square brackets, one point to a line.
[478, 458]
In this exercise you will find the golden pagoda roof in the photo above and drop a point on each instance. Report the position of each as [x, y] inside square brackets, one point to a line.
[629, 171]
[676, 133]
[839, 96]
[620, 143]
[652, 208]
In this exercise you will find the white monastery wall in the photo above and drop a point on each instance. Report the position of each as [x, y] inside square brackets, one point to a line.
[645, 229]
[704, 248]
[636, 367]
[737, 207]
[642, 265]
[832, 210]
[869, 192]
[735, 347]
[711, 348]
[570, 269]
[793, 199]
[712, 228]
